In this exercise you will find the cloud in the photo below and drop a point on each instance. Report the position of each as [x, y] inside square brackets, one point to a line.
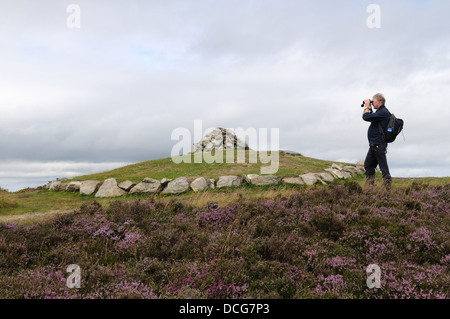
[16, 175]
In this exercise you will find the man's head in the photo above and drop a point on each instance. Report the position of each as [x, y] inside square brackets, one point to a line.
[378, 100]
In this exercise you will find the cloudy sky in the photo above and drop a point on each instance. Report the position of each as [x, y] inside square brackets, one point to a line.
[88, 97]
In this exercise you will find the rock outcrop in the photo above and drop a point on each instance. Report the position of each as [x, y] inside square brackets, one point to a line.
[148, 185]
[199, 184]
[127, 185]
[335, 173]
[219, 139]
[293, 180]
[55, 186]
[89, 187]
[309, 179]
[73, 186]
[177, 186]
[326, 177]
[228, 181]
[110, 188]
[259, 180]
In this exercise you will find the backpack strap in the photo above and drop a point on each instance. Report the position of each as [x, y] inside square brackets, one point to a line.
[381, 131]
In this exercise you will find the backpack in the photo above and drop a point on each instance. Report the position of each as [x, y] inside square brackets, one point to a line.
[393, 128]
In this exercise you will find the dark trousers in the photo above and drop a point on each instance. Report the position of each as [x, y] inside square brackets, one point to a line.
[377, 156]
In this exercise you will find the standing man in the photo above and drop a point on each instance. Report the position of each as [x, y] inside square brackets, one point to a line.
[377, 146]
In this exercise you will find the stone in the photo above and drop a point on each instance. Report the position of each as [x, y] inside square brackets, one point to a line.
[326, 177]
[148, 185]
[89, 187]
[249, 177]
[177, 186]
[337, 166]
[164, 182]
[293, 180]
[73, 186]
[360, 163]
[55, 186]
[208, 148]
[109, 188]
[262, 180]
[127, 185]
[335, 172]
[219, 139]
[211, 183]
[360, 169]
[351, 169]
[241, 145]
[199, 184]
[346, 174]
[309, 179]
[62, 187]
[228, 181]
[291, 153]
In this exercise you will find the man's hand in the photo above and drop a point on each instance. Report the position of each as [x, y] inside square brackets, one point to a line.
[367, 106]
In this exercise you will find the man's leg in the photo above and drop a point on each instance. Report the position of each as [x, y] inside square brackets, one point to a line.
[370, 164]
[382, 161]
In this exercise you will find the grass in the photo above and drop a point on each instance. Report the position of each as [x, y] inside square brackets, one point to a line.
[7, 200]
[257, 242]
[44, 200]
[26, 201]
[29, 200]
[431, 181]
[289, 165]
[315, 243]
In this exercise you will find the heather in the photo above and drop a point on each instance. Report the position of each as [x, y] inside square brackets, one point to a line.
[315, 243]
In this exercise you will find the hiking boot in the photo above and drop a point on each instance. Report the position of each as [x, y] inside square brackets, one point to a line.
[387, 182]
[370, 182]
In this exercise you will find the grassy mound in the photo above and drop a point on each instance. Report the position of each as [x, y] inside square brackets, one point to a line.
[43, 201]
[289, 165]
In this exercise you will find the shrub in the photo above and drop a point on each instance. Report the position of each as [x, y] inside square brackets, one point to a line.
[315, 243]
[6, 200]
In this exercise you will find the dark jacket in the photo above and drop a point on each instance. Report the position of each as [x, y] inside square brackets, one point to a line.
[382, 116]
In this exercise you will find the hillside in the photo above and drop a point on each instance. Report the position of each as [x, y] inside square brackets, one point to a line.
[289, 165]
[41, 200]
[29, 204]
[316, 243]
[259, 242]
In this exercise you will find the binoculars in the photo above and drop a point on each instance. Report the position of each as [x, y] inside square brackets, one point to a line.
[371, 103]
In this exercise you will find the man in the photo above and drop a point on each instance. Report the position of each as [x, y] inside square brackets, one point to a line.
[377, 146]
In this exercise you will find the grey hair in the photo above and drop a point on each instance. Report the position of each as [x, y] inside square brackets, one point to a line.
[379, 97]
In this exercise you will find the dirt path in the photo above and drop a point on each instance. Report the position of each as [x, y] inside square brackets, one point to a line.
[35, 216]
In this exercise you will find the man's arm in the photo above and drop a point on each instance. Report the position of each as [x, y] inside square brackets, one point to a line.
[373, 117]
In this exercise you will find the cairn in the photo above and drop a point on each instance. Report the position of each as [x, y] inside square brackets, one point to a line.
[219, 139]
